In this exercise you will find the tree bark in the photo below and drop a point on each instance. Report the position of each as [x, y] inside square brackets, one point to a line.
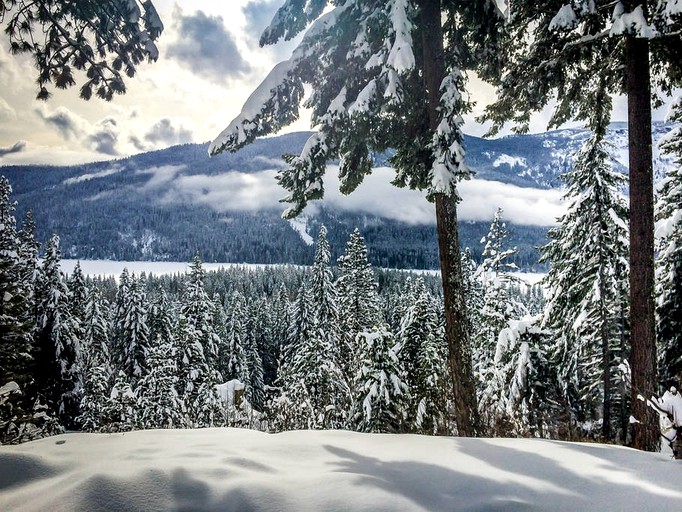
[645, 434]
[456, 325]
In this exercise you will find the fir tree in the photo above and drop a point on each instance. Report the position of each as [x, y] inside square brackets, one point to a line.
[669, 262]
[56, 371]
[96, 370]
[379, 391]
[587, 283]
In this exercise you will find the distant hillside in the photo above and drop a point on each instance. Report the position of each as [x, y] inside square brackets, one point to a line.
[173, 203]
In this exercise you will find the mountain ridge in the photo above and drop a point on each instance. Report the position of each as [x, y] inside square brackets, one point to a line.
[170, 204]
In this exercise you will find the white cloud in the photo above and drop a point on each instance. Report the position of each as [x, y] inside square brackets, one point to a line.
[7, 113]
[161, 176]
[233, 191]
[480, 200]
[236, 191]
[92, 176]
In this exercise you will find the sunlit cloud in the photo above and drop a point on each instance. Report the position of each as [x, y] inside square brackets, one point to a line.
[113, 136]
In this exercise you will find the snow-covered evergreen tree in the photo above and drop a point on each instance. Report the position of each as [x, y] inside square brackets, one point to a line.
[96, 369]
[322, 288]
[576, 55]
[255, 336]
[498, 306]
[359, 305]
[118, 319]
[159, 404]
[316, 385]
[196, 382]
[669, 261]
[161, 319]
[301, 326]
[423, 358]
[237, 364]
[122, 408]
[18, 262]
[587, 284]
[57, 345]
[133, 332]
[379, 390]
[197, 308]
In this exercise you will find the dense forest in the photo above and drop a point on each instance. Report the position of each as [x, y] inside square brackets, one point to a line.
[337, 344]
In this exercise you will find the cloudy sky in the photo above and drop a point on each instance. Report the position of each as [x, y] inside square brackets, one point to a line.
[209, 63]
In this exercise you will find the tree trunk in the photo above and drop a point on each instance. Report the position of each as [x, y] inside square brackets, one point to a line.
[645, 434]
[456, 325]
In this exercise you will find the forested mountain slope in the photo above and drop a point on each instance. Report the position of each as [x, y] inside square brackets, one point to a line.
[174, 203]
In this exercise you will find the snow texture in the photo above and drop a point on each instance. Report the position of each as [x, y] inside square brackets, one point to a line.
[565, 19]
[244, 470]
[300, 225]
[672, 404]
[631, 23]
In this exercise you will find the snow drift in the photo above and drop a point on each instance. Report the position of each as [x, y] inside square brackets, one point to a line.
[244, 470]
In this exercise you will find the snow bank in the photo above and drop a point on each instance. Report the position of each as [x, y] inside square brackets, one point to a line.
[243, 470]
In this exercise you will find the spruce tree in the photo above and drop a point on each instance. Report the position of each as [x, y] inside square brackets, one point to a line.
[255, 335]
[379, 390]
[322, 288]
[237, 364]
[96, 368]
[359, 305]
[423, 358]
[587, 283]
[497, 305]
[18, 259]
[159, 404]
[57, 347]
[134, 332]
[197, 381]
[197, 308]
[669, 262]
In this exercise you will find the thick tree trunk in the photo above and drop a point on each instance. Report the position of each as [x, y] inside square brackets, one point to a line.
[456, 325]
[645, 434]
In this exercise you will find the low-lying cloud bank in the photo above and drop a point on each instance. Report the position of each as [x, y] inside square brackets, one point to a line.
[237, 191]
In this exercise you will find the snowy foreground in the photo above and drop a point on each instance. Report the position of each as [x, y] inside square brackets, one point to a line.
[245, 470]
